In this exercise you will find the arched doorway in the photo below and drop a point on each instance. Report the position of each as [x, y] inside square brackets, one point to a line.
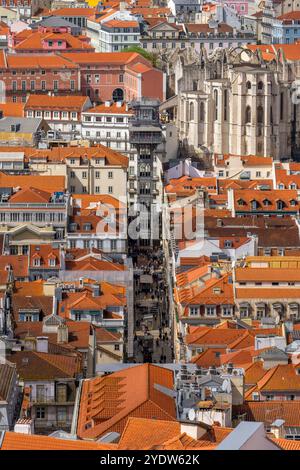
[118, 94]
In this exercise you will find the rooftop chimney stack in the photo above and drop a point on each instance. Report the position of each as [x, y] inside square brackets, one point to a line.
[62, 334]
[42, 344]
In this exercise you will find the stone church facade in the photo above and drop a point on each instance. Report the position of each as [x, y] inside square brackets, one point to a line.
[233, 101]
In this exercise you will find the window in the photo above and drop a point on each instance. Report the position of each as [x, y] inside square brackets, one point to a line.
[97, 189]
[202, 111]
[248, 85]
[55, 85]
[110, 174]
[194, 311]
[121, 78]
[40, 412]
[72, 85]
[260, 86]
[225, 104]
[43, 85]
[32, 85]
[191, 117]
[97, 174]
[210, 311]
[84, 174]
[216, 104]
[248, 115]
[117, 347]
[260, 115]
[110, 189]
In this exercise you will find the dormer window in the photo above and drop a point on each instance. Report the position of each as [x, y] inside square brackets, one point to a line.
[293, 186]
[266, 202]
[293, 202]
[228, 244]
[241, 202]
[280, 205]
[36, 262]
[87, 227]
[254, 205]
[52, 262]
[281, 186]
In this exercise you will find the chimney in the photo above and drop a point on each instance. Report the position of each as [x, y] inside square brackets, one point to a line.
[193, 429]
[62, 334]
[42, 344]
[119, 104]
[277, 428]
[24, 426]
[107, 104]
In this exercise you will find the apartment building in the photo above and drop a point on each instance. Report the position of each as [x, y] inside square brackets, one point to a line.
[98, 221]
[32, 209]
[46, 40]
[268, 286]
[117, 76]
[62, 113]
[88, 170]
[50, 384]
[276, 202]
[114, 30]
[22, 74]
[108, 124]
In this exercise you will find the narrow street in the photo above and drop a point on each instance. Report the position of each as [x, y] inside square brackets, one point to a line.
[152, 341]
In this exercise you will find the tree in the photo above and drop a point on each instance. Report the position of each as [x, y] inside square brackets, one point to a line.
[139, 50]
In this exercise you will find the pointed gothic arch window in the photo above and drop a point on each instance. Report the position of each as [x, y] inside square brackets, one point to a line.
[248, 115]
[260, 115]
[192, 111]
[202, 111]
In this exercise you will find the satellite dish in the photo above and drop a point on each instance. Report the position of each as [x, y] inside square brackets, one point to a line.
[192, 415]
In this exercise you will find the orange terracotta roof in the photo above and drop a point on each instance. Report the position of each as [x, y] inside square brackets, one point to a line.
[30, 288]
[78, 332]
[107, 402]
[36, 40]
[267, 274]
[19, 264]
[268, 412]
[41, 183]
[267, 293]
[12, 109]
[16, 441]
[101, 57]
[73, 12]
[61, 154]
[113, 108]
[290, 51]
[254, 372]
[44, 61]
[121, 24]
[44, 253]
[141, 433]
[272, 196]
[287, 444]
[74, 103]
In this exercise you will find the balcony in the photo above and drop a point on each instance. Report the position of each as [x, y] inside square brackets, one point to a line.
[51, 401]
[139, 138]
